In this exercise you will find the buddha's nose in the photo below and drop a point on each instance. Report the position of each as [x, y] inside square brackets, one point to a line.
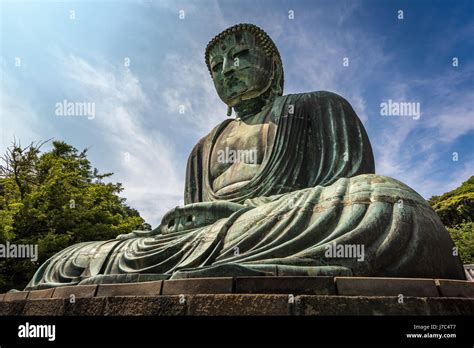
[228, 66]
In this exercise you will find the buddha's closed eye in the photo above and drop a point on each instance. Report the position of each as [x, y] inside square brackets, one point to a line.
[217, 67]
[241, 53]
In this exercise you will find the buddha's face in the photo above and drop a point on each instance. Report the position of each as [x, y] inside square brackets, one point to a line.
[240, 68]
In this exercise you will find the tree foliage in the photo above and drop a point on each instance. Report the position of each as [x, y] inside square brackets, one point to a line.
[54, 199]
[456, 210]
[463, 237]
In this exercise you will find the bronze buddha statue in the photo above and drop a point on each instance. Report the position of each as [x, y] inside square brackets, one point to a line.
[285, 188]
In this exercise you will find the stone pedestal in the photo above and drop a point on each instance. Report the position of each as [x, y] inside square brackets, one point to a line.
[278, 296]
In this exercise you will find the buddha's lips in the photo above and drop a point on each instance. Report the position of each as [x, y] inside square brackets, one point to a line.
[230, 82]
[236, 97]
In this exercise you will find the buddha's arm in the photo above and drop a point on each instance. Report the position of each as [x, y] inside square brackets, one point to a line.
[195, 215]
[138, 233]
[258, 201]
[189, 217]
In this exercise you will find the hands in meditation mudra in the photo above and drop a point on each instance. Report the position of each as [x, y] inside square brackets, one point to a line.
[271, 192]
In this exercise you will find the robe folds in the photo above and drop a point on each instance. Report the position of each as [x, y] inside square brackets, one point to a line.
[318, 139]
[314, 208]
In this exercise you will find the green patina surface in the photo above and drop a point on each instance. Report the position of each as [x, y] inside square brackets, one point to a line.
[274, 191]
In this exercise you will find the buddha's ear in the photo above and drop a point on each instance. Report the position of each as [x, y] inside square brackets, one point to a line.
[277, 84]
[229, 110]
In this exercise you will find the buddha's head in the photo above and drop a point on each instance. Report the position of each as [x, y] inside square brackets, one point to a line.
[245, 65]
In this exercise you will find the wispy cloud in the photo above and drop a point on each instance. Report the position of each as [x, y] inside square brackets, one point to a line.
[139, 132]
[315, 62]
[18, 118]
[147, 158]
[447, 115]
[190, 86]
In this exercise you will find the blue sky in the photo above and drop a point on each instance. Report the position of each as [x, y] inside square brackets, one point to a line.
[138, 132]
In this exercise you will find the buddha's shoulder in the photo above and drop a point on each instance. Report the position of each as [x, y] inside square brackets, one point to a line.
[314, 97]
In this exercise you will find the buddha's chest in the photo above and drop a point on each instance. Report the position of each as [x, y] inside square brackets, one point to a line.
[238, 143]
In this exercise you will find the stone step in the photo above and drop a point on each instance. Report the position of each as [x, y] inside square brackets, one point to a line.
[359, 286]
[239, 305]
[338, 286]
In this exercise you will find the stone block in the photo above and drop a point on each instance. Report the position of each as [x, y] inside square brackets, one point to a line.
[44, 293]
[198, 286]
[12, 307]
[360, 305]
[455, 288]
[239, 305]
[131, 289]
[145, 305]
[48, 307]
[85, 306]
[361, 286]
[79, 291]
[285, 285]
[15, 296]
[447, 306]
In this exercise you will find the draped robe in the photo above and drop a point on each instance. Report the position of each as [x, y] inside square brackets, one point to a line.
[314, 195]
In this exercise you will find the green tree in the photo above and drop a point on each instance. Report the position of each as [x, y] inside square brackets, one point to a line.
[463, 237]
[54, 199]
[456, 210]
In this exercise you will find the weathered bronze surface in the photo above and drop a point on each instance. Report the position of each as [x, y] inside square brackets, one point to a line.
[287, 188]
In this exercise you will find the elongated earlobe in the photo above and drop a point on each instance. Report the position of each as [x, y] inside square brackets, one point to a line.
[229, 111]
[276, 86]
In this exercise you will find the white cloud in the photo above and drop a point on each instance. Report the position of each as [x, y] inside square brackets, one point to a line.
[454, 119]
[18, 119]
[312, 57]
[189, 84]
[413, 157]
[315, 62]
[146, 158]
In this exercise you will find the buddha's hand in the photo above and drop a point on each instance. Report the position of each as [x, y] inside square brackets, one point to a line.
[126, 236]
[195, 215]
[137, 233]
